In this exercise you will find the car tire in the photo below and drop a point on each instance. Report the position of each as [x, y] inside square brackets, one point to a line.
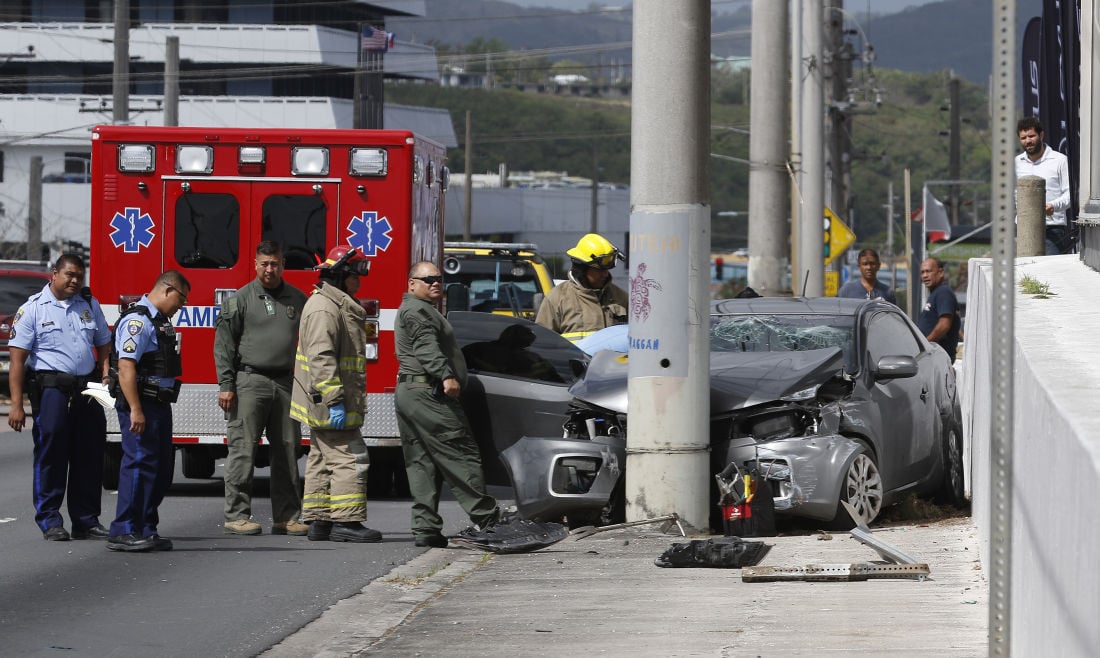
[198, 464]
[862, 488]
[952, 489]
[112, 463]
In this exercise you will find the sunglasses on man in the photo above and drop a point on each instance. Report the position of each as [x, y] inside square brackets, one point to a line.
[429, 279]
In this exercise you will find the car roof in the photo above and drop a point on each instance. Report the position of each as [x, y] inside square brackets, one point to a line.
[808, 305]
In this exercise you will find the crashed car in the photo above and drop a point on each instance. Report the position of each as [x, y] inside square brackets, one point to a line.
[831, 400]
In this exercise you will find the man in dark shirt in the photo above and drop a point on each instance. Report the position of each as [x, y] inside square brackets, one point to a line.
[939, 318]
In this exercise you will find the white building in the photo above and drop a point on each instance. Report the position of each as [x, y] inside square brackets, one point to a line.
[242, 63]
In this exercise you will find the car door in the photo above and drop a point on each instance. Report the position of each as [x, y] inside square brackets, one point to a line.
[520, 374]
[906, 406]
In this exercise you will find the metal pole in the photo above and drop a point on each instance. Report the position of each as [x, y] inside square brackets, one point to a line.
[593, 223]
[172, 81]
[668, 446]
[812, 216]
[767, 147]
[34, 211]
[468, 211]
[1003, 102]
[911, 274]
[955, 157]
[121, 80]
[890, 234]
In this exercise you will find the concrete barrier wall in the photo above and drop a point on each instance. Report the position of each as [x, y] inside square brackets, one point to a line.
[1056, 452]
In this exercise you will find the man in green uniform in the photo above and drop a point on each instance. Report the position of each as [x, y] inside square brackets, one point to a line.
[435, 435]
[254, 345]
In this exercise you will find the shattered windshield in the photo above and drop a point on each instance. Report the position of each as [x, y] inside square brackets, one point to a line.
[781, 333]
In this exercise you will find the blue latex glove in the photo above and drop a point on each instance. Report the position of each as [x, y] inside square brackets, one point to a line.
[336, 416]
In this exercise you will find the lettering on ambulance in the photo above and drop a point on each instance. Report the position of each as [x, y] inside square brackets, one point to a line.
[132, 229]
[196, 317]
[370, 233]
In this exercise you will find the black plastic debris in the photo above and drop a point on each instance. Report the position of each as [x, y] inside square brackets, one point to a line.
[719, 553]
[512, 536]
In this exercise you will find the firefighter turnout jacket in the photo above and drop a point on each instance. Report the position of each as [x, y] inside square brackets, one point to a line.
[575, 311]
[330, 364]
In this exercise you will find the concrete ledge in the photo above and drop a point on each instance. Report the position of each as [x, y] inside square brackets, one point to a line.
[1056, 449]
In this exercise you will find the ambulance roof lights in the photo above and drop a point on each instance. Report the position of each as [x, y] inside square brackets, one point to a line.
[368, 162]
[309, 161]
[194, 159]
[135, 158]
[250, 155]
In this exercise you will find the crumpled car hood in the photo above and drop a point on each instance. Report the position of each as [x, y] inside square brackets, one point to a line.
[737, 379]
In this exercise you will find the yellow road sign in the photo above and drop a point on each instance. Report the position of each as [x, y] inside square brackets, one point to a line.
[832, 284]
[838, 236]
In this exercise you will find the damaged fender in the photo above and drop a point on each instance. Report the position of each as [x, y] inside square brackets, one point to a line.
[804, 471]
[553, 476]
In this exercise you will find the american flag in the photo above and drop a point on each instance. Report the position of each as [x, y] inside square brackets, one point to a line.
[375, 40]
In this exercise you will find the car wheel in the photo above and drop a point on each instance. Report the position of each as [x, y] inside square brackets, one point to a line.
[953, 488]
[862, 489]
[198, 463]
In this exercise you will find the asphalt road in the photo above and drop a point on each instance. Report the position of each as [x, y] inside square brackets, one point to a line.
[214, 595]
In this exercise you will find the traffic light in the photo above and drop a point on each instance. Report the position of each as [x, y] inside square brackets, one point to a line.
[719, 266]
[828, 237]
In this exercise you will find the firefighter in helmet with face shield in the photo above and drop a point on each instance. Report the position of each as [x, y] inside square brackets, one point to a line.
[588, 301]
[329, 397]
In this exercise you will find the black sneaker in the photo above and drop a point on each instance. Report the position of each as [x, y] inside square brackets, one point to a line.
[56, 533]
[130, 543]
[95, 532]
[435, 540]
[319, 530]
[354, 532]
[160, 543]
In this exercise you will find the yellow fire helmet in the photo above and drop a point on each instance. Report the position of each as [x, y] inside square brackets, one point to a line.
[594, 250]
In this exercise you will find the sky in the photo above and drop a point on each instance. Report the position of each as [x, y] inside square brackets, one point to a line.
[858, 6]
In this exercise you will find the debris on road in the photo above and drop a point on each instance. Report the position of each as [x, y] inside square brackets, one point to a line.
[834, 572]
[513, 536]
[720, 552]
[668, 520]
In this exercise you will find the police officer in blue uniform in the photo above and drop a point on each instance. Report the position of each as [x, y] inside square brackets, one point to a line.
[145, 364]
[59, 341]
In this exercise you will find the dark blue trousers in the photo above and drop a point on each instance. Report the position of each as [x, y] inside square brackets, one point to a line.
[69, 435]
[148, 461]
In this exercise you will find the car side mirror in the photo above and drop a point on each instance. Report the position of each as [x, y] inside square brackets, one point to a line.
[895, 367]
[578, 368]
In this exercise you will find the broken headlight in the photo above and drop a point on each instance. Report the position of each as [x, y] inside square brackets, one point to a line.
[584, 422]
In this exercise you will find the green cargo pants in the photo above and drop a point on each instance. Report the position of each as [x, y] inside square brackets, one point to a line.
[439, 446]
[262, 403]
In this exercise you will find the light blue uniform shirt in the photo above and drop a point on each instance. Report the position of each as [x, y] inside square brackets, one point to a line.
[135, 335]
[60, 335]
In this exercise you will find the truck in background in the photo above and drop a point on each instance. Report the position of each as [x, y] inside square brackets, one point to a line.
[508, 278]
[199, 200]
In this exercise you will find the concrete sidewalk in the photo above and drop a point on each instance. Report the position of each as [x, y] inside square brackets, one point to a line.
[603, 594]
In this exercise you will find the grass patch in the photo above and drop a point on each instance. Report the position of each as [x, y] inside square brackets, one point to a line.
[1032, 286]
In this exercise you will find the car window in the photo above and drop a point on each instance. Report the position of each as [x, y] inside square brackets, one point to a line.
[16, 288]
[888, 334]
[491, 280]
[782, 333]
[514, 347]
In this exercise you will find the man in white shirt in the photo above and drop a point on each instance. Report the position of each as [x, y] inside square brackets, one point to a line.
[1038, 159]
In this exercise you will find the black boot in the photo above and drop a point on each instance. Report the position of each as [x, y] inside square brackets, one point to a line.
[354, 532]
[319, 530]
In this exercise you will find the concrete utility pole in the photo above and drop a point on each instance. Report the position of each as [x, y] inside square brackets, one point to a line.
[767, 147]
[34, 211]
[668, 445]
[837, 71]
[795, 171]
[810, 277]
[172, 81]
[120, 82]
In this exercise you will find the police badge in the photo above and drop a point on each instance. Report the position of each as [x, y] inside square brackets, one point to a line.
[291, 312]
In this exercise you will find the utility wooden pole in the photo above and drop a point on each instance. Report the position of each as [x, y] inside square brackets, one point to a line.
[172, 81]
[468, 213]
[34, 211]
[121, 78]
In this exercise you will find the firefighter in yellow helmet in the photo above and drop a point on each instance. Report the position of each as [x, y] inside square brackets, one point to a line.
[588, 301]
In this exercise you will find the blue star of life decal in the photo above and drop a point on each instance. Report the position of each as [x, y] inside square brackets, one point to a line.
[133, 229]
[369, 233]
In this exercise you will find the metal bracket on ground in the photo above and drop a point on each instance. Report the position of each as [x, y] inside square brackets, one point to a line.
[834, 572]
[669, 520]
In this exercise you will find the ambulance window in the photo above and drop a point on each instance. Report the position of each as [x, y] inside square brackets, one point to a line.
[207, 230]
[297, 222]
